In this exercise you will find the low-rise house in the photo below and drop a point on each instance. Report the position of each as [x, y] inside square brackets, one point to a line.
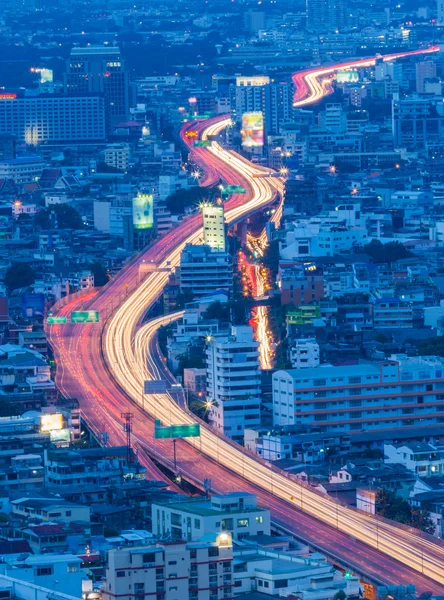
[236, 513]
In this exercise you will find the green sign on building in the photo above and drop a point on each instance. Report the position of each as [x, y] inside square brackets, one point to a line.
[85, 316]
[233, 189]
[56, 320]
[303, 314]
[202, 143]
[176, 431]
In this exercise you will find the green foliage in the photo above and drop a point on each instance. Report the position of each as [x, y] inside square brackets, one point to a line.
[192, 360]
[271, 258]
[62, 215]
[99, 272]
[19, 275]
[382, 338]
[182, 199]
[219, 311]
[183, 298]
[431, 346]
[340, 595]
[393, 507]
[386, 253]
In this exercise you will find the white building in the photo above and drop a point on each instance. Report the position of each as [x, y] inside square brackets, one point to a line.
[10, 587]
[234, 382]
[425, 460]
[304, 353]
[172, 571]
[214, 226]
[58, 572]
[398, 393]
[117, 156]
[236, 514]
[173, 182]
[283, 574]
[21, 169]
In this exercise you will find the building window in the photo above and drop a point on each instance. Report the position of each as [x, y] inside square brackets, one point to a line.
[44, 571]
[259, 519]
[243, 522]
[73, 567]
[120, 573]
[197, 523]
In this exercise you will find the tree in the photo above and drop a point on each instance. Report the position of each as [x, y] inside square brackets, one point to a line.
[340, 595]
[391, 506]
[219, 311]
[19, 275]
[431, 346]
[99, 272]
[386, 253]
[61, 216]
[182, 199]
[271, 257]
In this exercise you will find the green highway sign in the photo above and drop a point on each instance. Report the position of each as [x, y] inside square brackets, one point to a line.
[202, 143]
[56, 320]
[234, 189]
[176, 431]
[85, 316]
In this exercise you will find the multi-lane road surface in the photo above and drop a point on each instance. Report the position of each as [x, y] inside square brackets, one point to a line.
[104, 365]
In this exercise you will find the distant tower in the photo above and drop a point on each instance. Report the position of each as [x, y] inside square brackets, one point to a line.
[440, 20]
[214, 226]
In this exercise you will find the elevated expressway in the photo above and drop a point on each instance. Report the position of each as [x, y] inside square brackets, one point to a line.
[105, 367]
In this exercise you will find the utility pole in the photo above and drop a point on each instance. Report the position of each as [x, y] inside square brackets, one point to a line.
[127, 428]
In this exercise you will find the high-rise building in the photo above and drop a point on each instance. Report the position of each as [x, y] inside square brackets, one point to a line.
[425, 69]
[254, 20]
[326, 15]
[440, 13]
[99, 69]
[234, 382]
[214, 226]
[259, 94]
[54, 118]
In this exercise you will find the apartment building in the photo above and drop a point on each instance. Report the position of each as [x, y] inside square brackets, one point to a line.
[425, 460]
[171, 571]
[203, 272]
[21, 169]
[117, 156]
[90, 466]
[399, 393]
[233, 382]
[236, 513]
[391, 313]
[24, 375]
[304, 353]
[417, 122]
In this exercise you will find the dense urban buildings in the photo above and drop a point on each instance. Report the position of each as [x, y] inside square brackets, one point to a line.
[221, 300]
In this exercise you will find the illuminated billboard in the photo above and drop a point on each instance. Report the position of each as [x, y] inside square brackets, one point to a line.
[60, 437]
[51, 422]
[347, 76]
[252, 130]
[143, 217]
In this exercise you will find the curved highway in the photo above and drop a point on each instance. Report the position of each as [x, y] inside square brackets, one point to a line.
[383, 552]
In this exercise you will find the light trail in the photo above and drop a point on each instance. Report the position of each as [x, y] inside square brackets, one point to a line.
[385, 552]
[126, 355]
